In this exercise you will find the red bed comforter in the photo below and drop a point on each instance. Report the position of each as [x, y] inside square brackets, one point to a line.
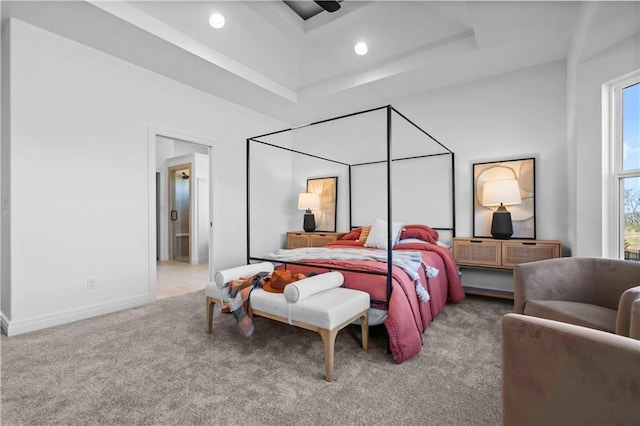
[407, 315]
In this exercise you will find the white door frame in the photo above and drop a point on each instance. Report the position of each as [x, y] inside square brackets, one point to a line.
[153, 133]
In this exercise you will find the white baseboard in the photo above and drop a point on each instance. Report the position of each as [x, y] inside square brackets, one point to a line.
[14, 328]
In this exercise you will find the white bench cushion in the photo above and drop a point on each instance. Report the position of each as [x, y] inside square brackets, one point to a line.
[212, 290]
[327, 309]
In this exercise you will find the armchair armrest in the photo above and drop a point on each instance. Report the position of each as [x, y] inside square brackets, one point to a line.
[625, 312]
[634, 327]
[558, 373]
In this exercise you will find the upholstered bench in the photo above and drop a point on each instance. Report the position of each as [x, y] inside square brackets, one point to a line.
[316, 303]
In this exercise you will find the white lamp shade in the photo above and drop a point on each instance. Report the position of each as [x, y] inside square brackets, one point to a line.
[307, 200]
[505, 192]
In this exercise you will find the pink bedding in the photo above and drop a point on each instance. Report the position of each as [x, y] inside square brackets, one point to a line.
[407, 316]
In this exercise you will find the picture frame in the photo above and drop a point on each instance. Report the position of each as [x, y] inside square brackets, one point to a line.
[523, 215]
[327, 188]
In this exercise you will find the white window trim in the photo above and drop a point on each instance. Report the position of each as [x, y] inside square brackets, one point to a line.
[613, 215]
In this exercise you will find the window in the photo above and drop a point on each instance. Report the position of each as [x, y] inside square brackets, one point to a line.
[625, 162]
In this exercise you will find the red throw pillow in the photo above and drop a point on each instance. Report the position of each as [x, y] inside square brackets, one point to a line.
[353, 235]
[422, 232]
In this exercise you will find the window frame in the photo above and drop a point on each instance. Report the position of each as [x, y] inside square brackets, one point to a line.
[614, 194]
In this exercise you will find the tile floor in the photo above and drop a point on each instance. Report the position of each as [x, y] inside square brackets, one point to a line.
[176, 278]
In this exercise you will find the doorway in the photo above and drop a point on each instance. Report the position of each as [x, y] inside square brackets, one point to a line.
[183, 215]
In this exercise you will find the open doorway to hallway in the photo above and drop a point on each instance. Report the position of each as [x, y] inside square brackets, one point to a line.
[183, 220]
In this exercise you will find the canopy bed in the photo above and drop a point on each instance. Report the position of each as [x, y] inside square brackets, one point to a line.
[392, 180]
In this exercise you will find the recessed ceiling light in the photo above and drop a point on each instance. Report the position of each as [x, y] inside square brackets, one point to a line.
[216, 20]
[361, 48]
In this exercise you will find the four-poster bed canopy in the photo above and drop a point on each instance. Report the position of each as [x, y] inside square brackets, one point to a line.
[389, 171]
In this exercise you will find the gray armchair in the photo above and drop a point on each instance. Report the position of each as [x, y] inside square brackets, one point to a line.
[591, 292]
[562, 374]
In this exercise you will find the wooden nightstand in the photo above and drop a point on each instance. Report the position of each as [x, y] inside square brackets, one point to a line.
[297, 239]
[502, 254]
[491, 254]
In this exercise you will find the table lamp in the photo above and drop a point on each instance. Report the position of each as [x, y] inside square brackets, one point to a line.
[501, 193]
[308, 201]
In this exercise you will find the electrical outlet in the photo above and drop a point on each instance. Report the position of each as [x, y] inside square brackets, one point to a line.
[91, 283]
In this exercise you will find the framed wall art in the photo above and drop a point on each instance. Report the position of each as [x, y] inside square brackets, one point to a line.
[327, 188]
[523, 212]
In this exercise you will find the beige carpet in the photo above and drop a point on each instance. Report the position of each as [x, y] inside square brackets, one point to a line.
[156, 365]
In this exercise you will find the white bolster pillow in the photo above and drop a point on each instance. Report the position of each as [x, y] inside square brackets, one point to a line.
[244, 271]
[306, 287]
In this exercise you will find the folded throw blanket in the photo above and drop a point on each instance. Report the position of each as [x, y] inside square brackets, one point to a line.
[239, 292]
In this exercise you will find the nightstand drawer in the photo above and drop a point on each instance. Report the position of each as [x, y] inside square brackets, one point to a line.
[321, 239]
[297, 240]
[477, 252]
[514, 252]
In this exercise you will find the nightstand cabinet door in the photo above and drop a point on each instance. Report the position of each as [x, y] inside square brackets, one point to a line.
[477, 252]
[514, 252]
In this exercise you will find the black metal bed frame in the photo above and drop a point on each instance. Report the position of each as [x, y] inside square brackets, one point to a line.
[388, 161]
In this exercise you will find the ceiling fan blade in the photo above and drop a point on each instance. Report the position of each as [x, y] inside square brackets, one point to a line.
[329, 6]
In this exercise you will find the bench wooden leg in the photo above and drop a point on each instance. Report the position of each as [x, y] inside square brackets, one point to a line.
[329, 339]
[364, 327]
[211, 303]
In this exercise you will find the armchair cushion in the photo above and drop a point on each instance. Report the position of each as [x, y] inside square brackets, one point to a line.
[583, 314]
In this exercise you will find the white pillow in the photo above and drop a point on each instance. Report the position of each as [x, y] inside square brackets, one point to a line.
[306, 287]
[378, 235]
[245, 271]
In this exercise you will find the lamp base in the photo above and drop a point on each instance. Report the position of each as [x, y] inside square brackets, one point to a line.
[309, 224]
[501, 225]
